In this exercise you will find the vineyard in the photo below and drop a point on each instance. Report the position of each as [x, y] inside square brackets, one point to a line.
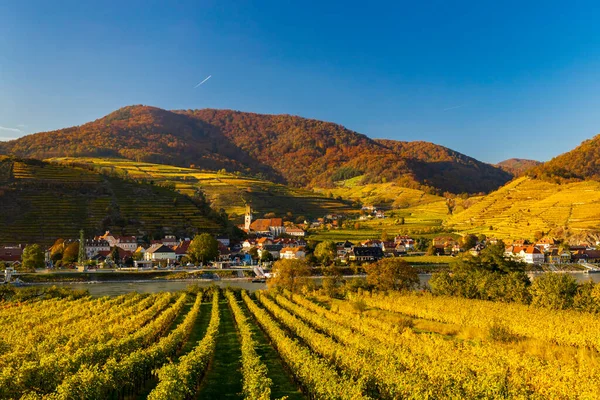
[223, 190]
[40, 202]
[211, 343]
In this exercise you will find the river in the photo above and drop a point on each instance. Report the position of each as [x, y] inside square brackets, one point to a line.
[117, 288]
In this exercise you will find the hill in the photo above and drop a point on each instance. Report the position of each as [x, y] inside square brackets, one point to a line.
[526, 206]
[40, 202]
[583, 162]
[281, 148]
[221, 190]
[518, 166]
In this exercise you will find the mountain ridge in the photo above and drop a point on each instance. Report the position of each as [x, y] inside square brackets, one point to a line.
[283, 148]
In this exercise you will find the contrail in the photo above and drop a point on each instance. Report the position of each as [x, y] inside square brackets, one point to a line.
[452, 108]
[207, 78]
[2, 128]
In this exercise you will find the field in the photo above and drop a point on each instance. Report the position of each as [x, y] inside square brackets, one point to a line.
[225, 344]
[41, 202]
[223, 190]
[526, 206]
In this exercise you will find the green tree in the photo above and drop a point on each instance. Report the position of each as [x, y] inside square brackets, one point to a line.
[71, 252]
[114, 255]
[204, 248]
[333, 281]
[469, 241]
[554, 291]
[81, 254]
[32, 258]
[326, 252]
[289, 274]
[266, 256]
[392, 274]
[492, 259]
[384, 236]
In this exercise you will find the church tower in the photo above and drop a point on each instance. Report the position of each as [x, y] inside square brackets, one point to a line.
[248, 218]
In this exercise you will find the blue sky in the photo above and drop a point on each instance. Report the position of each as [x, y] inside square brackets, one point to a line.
[492, 80]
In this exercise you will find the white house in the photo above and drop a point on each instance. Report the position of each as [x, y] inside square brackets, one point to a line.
[158, 252]
[292, 253]
[293, 231]
[93, 247]
[529, 254]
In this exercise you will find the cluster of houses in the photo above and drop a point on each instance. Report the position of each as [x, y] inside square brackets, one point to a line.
[370, 212]
[549, 251]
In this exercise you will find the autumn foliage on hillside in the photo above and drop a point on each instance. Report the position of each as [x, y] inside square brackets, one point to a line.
[583, 162]
[282, 148]
[518, 166]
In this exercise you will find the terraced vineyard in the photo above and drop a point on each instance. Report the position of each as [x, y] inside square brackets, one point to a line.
[526, 205]
[223, 190]
[210, 343]
[41, 202]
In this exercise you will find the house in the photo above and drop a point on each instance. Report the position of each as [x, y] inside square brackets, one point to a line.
[546, 243]
[94, 246]
[11, 254]
[292, 253]
[293, 231]
[365, 254]
[379, 214]
[268, 226]
[224, 240]
[474, 251]
[444, 241]
[529, 254]
[248, 244]
[274, 249]
[263, 241]
[181, 249]
[407, 241]
[553, 257]
[127, 243]
[159, 252]
[169, 240]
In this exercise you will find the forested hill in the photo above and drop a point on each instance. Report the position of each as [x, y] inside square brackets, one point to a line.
[583, 162]
[518, 166]
[40, 202]
[282, 148]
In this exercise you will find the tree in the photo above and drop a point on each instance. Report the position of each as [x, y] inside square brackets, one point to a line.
[392, 274]
[204, 248]
[81, 256]
[554, 291]
[384, 236]
[492, 259]
[266, 256]
[289, 274]
[32, 258]
[114, 255]
[469, 241]
[333, 280]
[253, 253]
[326, 252]
[71, 252]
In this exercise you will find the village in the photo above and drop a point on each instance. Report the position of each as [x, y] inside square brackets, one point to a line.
[272, 239]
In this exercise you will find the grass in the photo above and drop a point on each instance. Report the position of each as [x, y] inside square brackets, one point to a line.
[195, 336]
[223, 380]
[283, 385]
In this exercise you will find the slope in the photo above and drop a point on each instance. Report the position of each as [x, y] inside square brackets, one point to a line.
[281, 148]
[40, 202]
[221, 190]
[518, 166]
[526, 206]
[583, 162]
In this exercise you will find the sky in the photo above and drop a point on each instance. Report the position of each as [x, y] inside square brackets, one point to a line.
[490, 79]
